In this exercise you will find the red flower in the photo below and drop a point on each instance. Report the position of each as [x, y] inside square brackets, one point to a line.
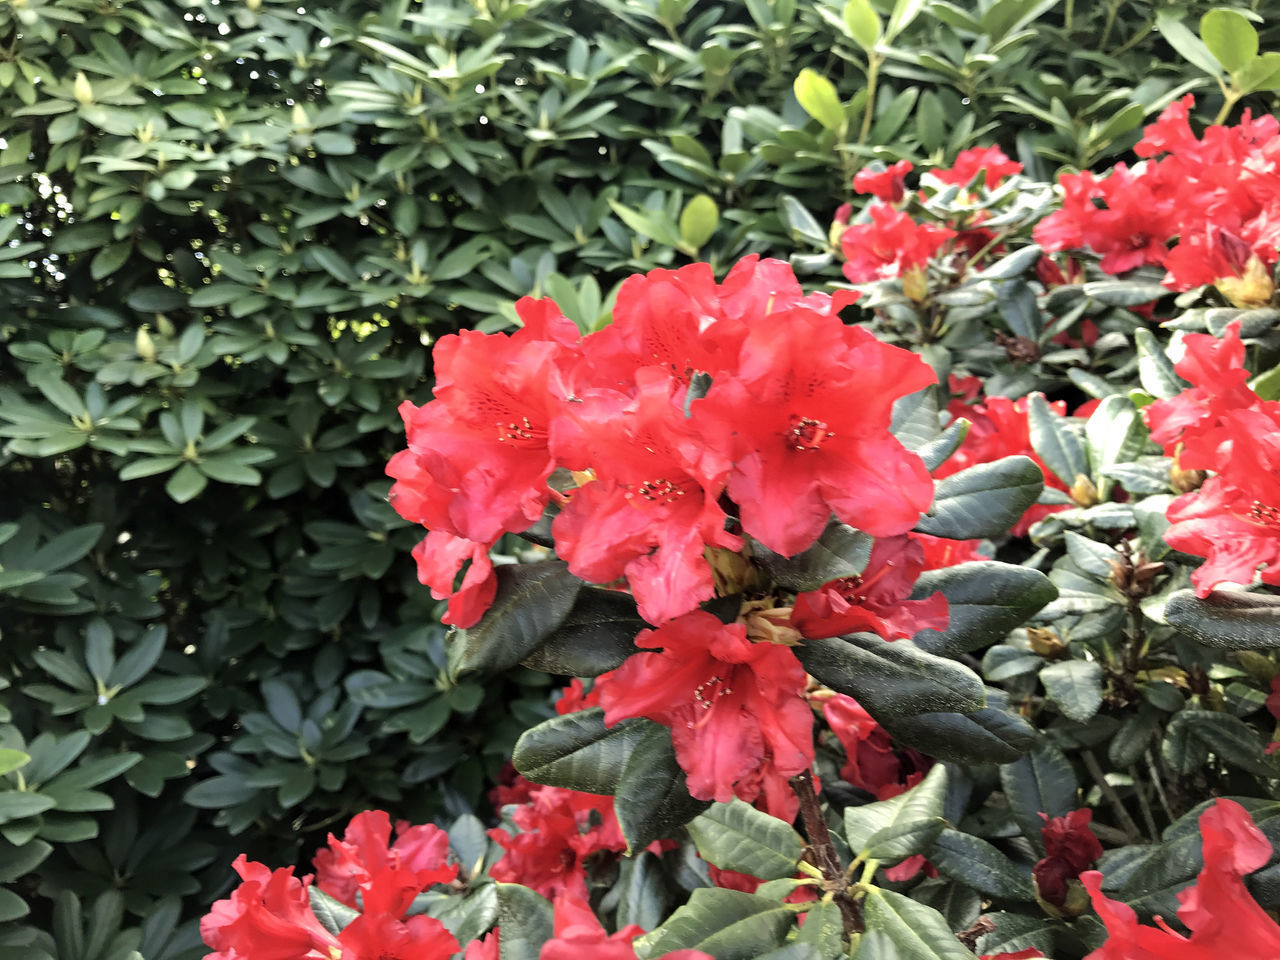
[1070, 848]
[439, 557]
[579, 933]
[806, 423]
[269, 917]
[887, 184]
[871, 762]
[875, 601]
[1020, 955]
[890, 245]
[653, 508]
[486, 948]
[559, 829]
[1224, 919]
[733, 706]
[363, 854]
[969, 163]
[939, 552]
[576, 697]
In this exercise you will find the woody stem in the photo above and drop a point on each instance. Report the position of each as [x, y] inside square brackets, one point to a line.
[822, 852]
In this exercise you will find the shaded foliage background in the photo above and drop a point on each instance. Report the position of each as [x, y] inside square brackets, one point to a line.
[231, 232]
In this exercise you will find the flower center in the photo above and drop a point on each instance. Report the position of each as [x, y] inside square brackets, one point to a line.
[655, 491]
[1264, 514]
[807, 433]
[514, 432]
[705, 696]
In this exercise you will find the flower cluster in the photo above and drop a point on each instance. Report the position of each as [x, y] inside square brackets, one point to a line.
[270, 914]
[890, 243]
[708, 421]
[1206, 209]
[1219, 424]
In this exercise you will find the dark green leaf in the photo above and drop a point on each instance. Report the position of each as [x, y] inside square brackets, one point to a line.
[525, 919]
[983, 500]
[1229, 620]
[989, 735]
[532, 601]
[1075, 686]
[577, 751]
[985, 600]
[976, 863]
[597, 636]
[1055, 441]
[334, 915]
[651, 798]
[737, 836]
[917, 932]
[728, 924]
[1042, 781]
[901, 826]
[1194, 734]
[891, 679]
[841, 551]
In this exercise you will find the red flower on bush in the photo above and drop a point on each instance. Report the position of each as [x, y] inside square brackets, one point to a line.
[889, 184]
[578, 933]
[1070, 848]
[364, 853]
[1224, 919]
[734, 707]
[875, 601]
[989, 161]
[890, 245]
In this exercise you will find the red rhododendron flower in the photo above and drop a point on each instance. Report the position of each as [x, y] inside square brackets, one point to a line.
[269, 917]
[653, 508]
[731, 704]
[940, 552]
[889, 184]
[576, 697]
[1224, 919]
[969, 163]
[806, 423]
[871, 761]
[487, 948]
[875, 601]
[578, 932]
[355, 861]
[1019, 955]
[559, 829]
[479, 456]
[439, 557]
[1070, 849]
[890, 245]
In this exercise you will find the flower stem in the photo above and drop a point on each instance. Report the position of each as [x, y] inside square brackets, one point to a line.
[822, 852]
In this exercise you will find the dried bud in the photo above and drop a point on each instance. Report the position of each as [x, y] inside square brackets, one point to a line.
[1253, 289]
[1018, 349]
[1046, 643]
[1134, 576]
[1083, 492]
[1184, 481]
[915, 283]
[732, 572]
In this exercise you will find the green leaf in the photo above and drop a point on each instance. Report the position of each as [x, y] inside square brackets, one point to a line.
[1114, 434]
[1075, 686]
[1054, 442]
[901, 826]
[1194, 734]
[16, 804]
[976, 863]
[185, 484]
[863, 23]
[1230, 37]
[916, 932]
[219, 792]
[651, 798]
[904, 11]
[333, 914]
[728, 924]
[598, 635]
[1226, 620]
[577, 751]
[989, 735]
[12, 906]
[1260, 73]
[1124, 293]
[737, 836]
[824, 929]
[985, 600]
[1155, 369]
[526, 921]
[698, 221]
[984, 500]
[532, 601]
[110, 259]
[841, 551]
[1040, 782]
[817, 95]
[11, 760]
[891, 679]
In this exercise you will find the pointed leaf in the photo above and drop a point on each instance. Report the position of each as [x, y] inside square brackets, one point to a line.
[1075, 686]
[1040, 782]
[1055, 442]
[526, 920]
[985, 600]
[984, 500]
[728, 924]
[1228, 620]
[651, 799]
[841, 551]
[577, 751]
[976, 863]
[917, 932]
[597, 636]
[737, 836]
[892, 679]
[901, 826]
[989, 735]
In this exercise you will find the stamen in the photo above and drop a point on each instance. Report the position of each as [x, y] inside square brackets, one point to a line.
[807, 433]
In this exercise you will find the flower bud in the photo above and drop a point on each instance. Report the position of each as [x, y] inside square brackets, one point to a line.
[82, 89]
[1252, 289]
[915, 283]
[145, 346]
[1083, 492]
[1046, 643]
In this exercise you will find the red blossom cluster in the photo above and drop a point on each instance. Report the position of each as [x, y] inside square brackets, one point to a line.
[1206, 209]
[1223, 917]
[1070, 849]
[269, 915]
[1219, 424]
[707, 418]
[890, 243]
